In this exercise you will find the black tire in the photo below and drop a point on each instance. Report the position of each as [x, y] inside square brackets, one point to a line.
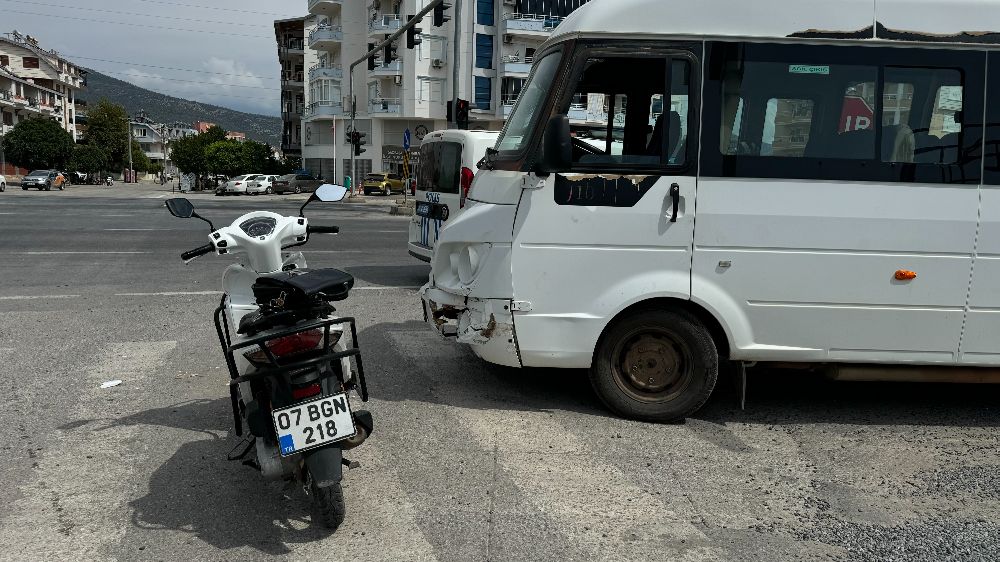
[673, 373]
[23, 188]
[328, 505]
[3, 187]
[62, 186]
[297, 190]
[386, 190]
[268, 191]
[48, 187]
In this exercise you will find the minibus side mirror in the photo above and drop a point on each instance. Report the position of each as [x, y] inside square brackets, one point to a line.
[557, 146]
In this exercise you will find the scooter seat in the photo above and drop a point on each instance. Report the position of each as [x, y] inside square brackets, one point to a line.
[328, 284]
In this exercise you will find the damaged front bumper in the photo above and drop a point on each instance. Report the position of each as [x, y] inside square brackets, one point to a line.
[486, 325]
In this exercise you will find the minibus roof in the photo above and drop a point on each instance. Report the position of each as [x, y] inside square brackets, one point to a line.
[935, 21]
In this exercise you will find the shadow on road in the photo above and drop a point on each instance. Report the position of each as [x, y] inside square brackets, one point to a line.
[391, 275]
[774, 397]
[185, 492]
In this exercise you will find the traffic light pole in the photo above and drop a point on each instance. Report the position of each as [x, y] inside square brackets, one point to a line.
[350, 72]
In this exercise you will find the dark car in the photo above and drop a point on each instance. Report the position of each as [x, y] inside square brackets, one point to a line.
[296, 183]
[42, 179]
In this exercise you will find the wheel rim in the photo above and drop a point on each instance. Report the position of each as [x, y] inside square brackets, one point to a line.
[652, 365]
[298, 190]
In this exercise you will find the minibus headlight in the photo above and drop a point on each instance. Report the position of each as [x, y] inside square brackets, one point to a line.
[468, 260]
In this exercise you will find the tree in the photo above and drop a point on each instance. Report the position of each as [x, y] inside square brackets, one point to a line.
[155, 168]
[188, 153]
[140, 162]
[38, 143]
[226, 157]
[89, 159]
[107, 128]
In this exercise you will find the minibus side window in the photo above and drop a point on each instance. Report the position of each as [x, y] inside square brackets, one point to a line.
[845, 113]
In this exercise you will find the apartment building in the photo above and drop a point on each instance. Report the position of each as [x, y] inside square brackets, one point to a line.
[496, 41]
[290, 35]
[155, 138]
[35, 82]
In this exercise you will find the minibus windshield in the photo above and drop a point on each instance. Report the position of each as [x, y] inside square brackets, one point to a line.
[529, 104]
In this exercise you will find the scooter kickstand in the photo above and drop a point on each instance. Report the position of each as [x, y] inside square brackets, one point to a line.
[350, 463]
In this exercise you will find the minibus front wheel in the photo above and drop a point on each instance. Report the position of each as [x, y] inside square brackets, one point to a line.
[655, 365]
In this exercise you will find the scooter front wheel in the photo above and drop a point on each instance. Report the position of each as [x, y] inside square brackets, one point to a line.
[328, 505]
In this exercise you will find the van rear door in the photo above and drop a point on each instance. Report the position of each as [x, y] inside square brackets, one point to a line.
[438, 184]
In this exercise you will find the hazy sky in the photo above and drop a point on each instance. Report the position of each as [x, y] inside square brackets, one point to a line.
[215, 51]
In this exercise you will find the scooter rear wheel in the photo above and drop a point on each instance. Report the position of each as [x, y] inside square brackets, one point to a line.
[328, 505]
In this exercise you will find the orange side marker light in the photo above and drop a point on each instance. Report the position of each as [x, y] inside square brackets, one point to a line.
[905, 275]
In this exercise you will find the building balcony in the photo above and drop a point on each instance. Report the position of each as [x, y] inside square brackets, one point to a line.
[324, 109]
[292, 80]
[385, 105]
[513, 66]
[384, 24]
[507, 105]
[156, 155]
[395, 68]
[530, 25]
[6, 99]
[328, 37]
[291, 112]
[325, 7]
[290, 145]
[331, 71]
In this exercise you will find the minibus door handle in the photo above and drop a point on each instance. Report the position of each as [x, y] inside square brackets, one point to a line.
[675, 197]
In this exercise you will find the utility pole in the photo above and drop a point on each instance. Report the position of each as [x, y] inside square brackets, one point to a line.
[455, 68]
[372, 52]
[129, 124]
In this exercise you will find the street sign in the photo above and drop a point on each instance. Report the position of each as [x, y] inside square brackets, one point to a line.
[406, 139]
[856, 115]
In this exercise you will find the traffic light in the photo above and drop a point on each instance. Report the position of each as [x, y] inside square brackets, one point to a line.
[357, 138]
[411, 35]
[371, 59]
[439, 17]
[462, 114]
[388, 54]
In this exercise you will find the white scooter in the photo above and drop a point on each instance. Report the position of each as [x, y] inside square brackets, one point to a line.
[292, 362]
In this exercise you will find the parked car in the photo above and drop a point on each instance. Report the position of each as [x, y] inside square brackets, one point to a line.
[296, 183]
[42, 179]
[385, 184]
[263, 184]
[3, 184]
[447, 167]
[237, 185]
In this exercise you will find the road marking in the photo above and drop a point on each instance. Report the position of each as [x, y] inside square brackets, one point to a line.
[117, 215]
[37, 297]
[140, 229]
[388, 288]
[169, 294]
[336, 252]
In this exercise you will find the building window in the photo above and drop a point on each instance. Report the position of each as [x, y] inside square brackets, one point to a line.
[30, 62]
[484, 92]
[4, 60]
[484, 51]
[484, 12]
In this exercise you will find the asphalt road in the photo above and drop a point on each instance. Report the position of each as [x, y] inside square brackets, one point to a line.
[468, 461]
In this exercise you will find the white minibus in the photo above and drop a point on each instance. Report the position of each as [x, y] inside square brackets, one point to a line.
[795, 181]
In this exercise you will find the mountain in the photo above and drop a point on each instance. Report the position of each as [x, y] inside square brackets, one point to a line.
[168, 109]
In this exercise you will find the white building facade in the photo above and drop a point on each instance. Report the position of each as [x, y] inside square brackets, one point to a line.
[35, 83]
[496, 40]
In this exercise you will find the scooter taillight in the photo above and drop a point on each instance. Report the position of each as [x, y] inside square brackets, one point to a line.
[467, 177]
[290, 345]
[307, 391]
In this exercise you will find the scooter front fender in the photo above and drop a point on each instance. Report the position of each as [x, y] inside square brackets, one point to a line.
[325, 465]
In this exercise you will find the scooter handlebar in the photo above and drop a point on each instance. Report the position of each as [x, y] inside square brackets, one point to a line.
[314, 229]
[191, 254]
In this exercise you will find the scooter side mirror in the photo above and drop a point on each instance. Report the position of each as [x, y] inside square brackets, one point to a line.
[180, 207]
[183, 209]
[327, 193]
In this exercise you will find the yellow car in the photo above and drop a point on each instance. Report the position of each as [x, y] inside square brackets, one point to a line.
[385, 184]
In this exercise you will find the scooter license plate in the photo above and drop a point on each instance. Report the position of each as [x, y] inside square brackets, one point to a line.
[313, 423]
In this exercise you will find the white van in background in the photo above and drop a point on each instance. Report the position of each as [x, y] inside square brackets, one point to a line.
[447, 167]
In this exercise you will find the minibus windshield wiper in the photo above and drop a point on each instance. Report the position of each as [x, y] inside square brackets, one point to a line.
[488, 161]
